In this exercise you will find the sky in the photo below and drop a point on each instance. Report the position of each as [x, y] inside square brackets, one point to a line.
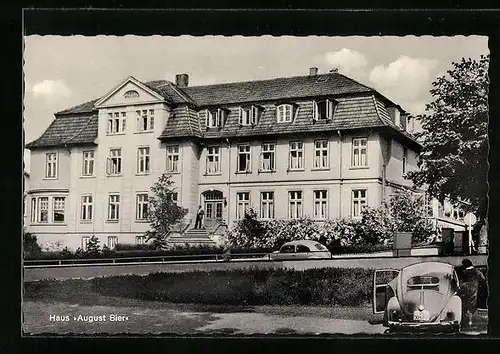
[63, 71]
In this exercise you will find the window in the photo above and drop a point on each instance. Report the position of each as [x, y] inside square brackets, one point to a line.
[359, 147]
[244, 158]
[114, 166]
[213, 159]
[42, 215]
[114, 207]
[117, 122]
[145, 120]
[51, 165]
[86, 212]
[296, 155]
[295, 204]
[173, 158]
[267, 205]
[287, 249]
[142, 207]
[302, 249]
[284, 113]
[320, 204]
[85, 242]
[175, 197]
[267, 157]
[216, 118]
[131, 94]
[405, 158]
[358, 201]
[249, 115]
[112, 241]
[321, 154]
[88, 163]
[323, 109]
[143, 160]
[140, 240]
[58, 209]
[243, 204]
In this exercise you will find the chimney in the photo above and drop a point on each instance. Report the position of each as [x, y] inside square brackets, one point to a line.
[313, 71]
[182, 80]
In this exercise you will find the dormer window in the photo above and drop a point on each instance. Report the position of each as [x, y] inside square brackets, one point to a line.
[215, 118]
[145, 120]
[323, 109]
[131, 94]
[284, 113]
[249, 115]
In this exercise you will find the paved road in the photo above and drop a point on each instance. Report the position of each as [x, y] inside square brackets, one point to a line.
[91, 271]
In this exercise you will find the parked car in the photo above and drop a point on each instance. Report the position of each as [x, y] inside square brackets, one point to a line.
[303, 249]
[420, 296]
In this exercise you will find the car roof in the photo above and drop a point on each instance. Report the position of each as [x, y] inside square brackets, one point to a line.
[302, 242]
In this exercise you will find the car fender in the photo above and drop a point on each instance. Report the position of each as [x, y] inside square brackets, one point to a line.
[454, 305]
[392, 305]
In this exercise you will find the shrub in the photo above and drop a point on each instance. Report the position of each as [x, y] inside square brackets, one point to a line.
[134, 247]
[31, 248]
[325, 286]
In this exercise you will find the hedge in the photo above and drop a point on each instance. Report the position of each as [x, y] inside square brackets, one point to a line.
[325, 286]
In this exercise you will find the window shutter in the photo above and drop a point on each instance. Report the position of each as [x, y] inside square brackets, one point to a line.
[108, 165]
[207, 117]
[241, 116]
[255, 114]
[124, 124]
[315, 110]
[151, 122]
[329, 109]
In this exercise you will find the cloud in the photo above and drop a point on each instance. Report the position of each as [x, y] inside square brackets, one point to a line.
[346, 60]
[52, 89]
[406, 81]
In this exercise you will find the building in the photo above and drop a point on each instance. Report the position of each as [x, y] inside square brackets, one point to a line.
[321, 145]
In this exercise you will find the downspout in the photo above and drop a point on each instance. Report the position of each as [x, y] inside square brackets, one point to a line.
[228, 199]
[340, 174]
[385, 156]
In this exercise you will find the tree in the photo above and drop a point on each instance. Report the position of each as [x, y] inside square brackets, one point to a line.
[163, 212]
[30, 245]
[453, 162]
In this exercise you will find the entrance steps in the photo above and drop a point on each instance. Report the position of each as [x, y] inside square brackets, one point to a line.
[192, 237]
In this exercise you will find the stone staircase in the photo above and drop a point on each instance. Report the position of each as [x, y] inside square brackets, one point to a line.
[192, 237]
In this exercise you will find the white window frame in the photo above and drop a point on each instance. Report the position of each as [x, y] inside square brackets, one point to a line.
[248, 160]
[358, 202]
[131, 94]
[36, 209]
[320, 200]
[329, 109]
[112, 241]
[58, 208]
[143, 160]
[85, 242]
[114, 200]
[141, 206]
[173, 158]
[268, 148]
[213, 160]
[51, 165]
[145, 120]
[284, 113]
[215, 118]
[87, 207]
[249, 115]
[242, 204]
[295, 204]
[359, 145]
[112, 168]
[267, 205]
[88, 162]
[294, 147]
[321, 154]
[117, 123]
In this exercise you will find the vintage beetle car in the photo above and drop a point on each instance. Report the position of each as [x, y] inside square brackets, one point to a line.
[420, 296]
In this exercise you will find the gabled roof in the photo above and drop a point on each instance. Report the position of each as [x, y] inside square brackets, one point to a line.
[135, 82]
[275, 89]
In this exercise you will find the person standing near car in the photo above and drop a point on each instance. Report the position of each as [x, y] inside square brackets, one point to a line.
[468, 291]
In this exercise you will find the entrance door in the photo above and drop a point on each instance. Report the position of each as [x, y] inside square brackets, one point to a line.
[213, 209]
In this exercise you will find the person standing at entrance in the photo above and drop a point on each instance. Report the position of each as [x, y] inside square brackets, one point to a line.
[199, 218]
[468, 291]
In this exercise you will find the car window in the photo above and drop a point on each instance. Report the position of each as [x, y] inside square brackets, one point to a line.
[287, 249]
[423, 281]
[320, 247]
[302, 248]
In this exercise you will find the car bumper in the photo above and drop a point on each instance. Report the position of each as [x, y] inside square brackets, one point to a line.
[424, 326]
